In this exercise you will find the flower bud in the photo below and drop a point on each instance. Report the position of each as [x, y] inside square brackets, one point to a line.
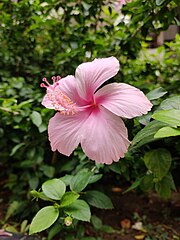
[68, 221]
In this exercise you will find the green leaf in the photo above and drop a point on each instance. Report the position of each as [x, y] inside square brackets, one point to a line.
[165, 186]
[68, 198]
[167, 132]
[16, 148]
[44, 219]
[147, 183]
[36, 118]
[95, 178]
[98, 225]
[134, 185]
[79, 210]
[146, 135]
[171, 103]
[13, 207]
[80, 181]
[158, 161]
[156, 93]
[54, 188]
[67, 179]
[171, 116]
[47, 170]
[98, 199]
[96, 222]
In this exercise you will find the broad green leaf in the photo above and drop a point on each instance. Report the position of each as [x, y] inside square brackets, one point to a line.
[115, 167]
[44, 219]
[47, 170]
[156, 93]
[54, 188]
[98, 199]
[80, 181]
[165, 186]
[171, 103]
[36, 118]
[79, 210]
[158, 161]
[68, 198]
[147, 183]
[54, 229]
[146, 135]
[95, 178]
[167, 132]
[171, 116]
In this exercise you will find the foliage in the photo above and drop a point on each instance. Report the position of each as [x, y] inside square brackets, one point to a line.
[69, 205]
[52, 37]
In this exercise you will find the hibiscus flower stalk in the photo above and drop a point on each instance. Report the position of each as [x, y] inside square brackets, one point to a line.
[91, 115]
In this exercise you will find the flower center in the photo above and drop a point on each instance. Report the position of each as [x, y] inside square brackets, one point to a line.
[57, 98]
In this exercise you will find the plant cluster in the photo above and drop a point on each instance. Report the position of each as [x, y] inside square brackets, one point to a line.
[45, 38]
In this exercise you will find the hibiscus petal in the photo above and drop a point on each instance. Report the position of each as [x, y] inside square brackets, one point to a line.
[105, 137]
[123, 100]
[93, 74]
[68, 86]
[47, 102]
[65, 131]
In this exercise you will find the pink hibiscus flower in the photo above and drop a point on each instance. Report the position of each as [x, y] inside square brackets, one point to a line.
[90, 115]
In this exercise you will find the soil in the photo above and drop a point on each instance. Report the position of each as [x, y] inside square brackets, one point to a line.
[160, 219]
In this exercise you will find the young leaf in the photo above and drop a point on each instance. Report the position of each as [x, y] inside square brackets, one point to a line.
[68, 198]
[44, 219]
[167, 132]
[98, 199]
[54, 188]
[171, 116]
[36, 118]
[79, 210]
[158, 161]
[146, 135]
[80, 181]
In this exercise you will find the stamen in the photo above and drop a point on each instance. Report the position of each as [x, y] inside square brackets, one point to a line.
[58, 99]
